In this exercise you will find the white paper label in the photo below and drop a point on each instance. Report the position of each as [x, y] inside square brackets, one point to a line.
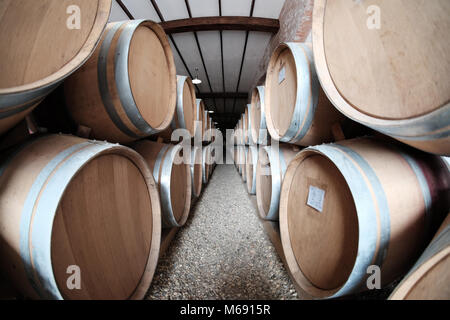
[281, 75]
[315, 198]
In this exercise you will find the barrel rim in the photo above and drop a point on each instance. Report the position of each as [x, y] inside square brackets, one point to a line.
[165, 173]
[251, 180]
[197, 186]
[306, 95]
[162, 37]
[259, 135]
[153, 255]
[368, 232]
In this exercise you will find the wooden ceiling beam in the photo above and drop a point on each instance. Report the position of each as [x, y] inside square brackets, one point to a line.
[224, 95]
[221, 23]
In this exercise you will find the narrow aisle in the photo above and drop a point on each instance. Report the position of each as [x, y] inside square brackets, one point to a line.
[223, 251]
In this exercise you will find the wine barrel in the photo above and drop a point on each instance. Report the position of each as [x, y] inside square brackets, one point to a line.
[196, 171]
[127, 90]
[347, 206]
[258, 116]
[200, 119]
[184, 117]
[207, 133]
[297, 110]
[173, 177]
[69, 203]
[402, 94]
[244, 152]
[250, 168]
[250, 124]
[206, 163]
[429, 279]
[40, 50]
[271, 167]
[245, 126]
[239, 133]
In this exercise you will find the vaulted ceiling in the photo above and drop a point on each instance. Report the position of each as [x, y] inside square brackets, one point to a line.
[226, 60]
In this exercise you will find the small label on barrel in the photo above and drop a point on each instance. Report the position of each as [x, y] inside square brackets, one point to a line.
[315, 198]
[281, 75]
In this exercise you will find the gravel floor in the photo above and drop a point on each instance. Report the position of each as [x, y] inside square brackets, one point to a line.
[223, 251]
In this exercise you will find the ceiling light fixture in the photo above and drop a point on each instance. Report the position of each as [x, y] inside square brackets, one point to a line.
[211, 111]
[196, 80]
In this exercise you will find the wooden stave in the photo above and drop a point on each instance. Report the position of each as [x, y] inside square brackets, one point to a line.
[120, 119]
[251, 174]
[429, 132]
[162, 170]
[196, 158]
[277, 172]
[259, 136]
[309, 290]
[73, 157]
[306, 112]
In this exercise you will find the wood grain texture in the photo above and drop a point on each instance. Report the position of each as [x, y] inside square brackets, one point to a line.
[325, 249]
[42, 50]
[429, 279]
[107, 220]
[173, 177]
[297, 110]
[400, 63]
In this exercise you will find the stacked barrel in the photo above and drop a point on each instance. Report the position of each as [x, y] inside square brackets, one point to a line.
[346, 200]
[72, 206]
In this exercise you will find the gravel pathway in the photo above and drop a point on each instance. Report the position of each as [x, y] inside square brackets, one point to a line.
[223, 251]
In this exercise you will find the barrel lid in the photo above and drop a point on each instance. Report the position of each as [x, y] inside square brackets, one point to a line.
[103, 227]
[322, 222]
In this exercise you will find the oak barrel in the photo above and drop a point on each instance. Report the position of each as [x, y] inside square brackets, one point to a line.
[173, 177]
[127, 90]
[297, 110]
[271, 167]
[242, 160]
[196, 171]
[68, 203]
[429, 279]
[245, 127]
[250, 168]
[402, 93]
[357, 203]
[206, 163]
[200, 123]
[258, 116]
[184, 116]
[39, 50]
[207, 133]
